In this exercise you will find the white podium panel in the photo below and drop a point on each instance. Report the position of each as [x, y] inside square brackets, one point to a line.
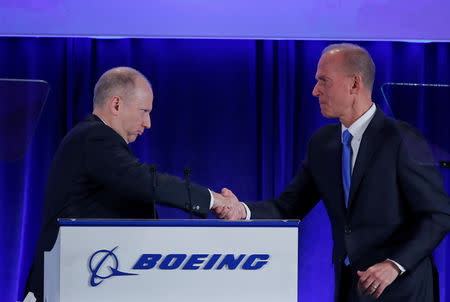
[193, 260]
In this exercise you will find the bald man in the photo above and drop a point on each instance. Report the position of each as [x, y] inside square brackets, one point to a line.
[94, 173]
[384, 197]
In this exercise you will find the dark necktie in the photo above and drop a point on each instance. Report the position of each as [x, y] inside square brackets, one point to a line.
[346, 163]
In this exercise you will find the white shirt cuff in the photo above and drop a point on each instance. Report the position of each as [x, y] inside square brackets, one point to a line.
[247, 210]
[211, 201]
[401, 268]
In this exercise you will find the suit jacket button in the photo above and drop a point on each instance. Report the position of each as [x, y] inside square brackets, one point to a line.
[347, 230]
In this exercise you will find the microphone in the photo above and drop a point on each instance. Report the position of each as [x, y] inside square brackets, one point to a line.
[153, 172]
[187, 175]
[444, 164]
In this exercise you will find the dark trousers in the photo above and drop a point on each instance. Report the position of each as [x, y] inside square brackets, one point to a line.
[422, 285]
[348, 289]
[346, 285]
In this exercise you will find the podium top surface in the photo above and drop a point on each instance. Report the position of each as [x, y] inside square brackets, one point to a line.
[68, 222]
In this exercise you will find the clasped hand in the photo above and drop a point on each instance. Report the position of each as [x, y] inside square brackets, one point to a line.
[227, 206]
[373, 281]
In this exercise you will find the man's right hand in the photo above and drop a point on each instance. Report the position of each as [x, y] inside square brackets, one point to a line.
[227, 206]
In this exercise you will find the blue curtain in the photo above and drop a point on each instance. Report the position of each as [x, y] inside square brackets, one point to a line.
[238, 112]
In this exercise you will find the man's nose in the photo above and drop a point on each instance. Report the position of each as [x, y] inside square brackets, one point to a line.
[315, 91]
[147, 122]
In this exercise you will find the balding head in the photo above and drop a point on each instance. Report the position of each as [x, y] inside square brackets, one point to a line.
[355, 60]
[119, 81]
[123, 99]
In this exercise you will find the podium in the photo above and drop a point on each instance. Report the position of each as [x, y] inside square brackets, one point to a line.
[173, 260]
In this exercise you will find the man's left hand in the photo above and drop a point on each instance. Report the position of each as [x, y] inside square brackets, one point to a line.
[373, 281]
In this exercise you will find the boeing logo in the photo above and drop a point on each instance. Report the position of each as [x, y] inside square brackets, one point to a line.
[248, 262]
[99, 257]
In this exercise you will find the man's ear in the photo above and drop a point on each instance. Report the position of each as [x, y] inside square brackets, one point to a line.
[114, 104]
[356, 84]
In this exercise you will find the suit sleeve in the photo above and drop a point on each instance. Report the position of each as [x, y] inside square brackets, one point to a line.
[299, 197]
[110, 162]
[422, 186]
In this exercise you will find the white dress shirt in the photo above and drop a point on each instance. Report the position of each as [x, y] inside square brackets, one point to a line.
[357, 130]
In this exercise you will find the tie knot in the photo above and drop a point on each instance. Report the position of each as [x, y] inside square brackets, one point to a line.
[347, 137]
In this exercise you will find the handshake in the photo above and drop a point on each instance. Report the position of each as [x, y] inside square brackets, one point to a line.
[227, 206]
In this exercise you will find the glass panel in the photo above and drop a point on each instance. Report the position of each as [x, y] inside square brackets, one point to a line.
[21, 104]
[426, 107]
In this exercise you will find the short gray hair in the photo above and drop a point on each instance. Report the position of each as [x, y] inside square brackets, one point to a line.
[116, 81]
[356, 60]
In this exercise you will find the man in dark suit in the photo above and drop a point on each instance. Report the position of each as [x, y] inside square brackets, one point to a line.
[94, 173]
[387, 207]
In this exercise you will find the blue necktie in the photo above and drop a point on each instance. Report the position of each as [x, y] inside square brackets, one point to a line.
[346, 169]
[346, 163]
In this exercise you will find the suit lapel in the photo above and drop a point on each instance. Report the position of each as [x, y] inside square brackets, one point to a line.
[333, 166]
[370, 142]
[93, 117]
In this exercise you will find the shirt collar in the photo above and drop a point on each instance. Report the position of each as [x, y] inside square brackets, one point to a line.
[111, 128]
[359, 126]
[102, 120]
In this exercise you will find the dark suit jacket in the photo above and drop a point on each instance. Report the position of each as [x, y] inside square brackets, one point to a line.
[397, 206]
[94, 174]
